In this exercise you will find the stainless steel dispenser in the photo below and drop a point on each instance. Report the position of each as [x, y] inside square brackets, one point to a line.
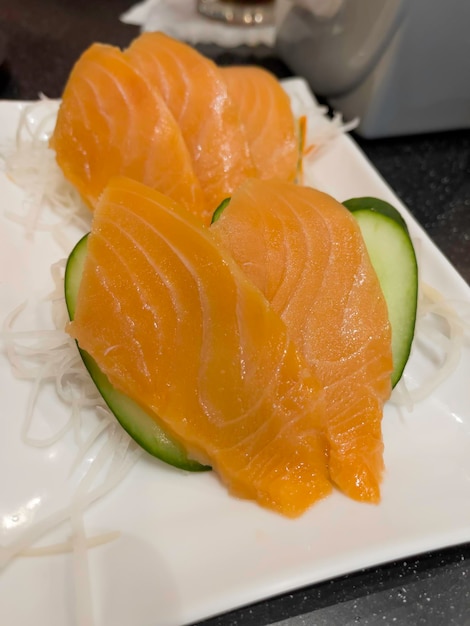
[400, 66]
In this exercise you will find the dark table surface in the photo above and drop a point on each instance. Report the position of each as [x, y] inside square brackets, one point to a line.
[39, 42]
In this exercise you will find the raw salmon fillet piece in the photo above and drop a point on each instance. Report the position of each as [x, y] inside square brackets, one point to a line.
[196, 93]
[265, 111]
[176, 325]
[111, 123]
[305, 252]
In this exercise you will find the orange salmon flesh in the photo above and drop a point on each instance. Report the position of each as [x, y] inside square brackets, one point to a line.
[305, 252]
[164, 115]
[176, 325]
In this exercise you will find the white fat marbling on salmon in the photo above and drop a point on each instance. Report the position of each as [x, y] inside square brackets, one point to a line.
[305, 252]
[205, 351]
[196, 93]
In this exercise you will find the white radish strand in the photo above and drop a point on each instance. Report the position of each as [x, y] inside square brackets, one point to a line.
[52, 356]
[114, 452]
[90, 441]
[118, 469]
[65, 547]
[31, 165]
[438, 325]
[117, 444]
[62, 362]
[81, 577]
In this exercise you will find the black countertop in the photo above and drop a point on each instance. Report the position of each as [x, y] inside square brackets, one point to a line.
[40, 40]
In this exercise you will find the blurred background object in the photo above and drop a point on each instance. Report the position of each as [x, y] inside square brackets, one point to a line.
[200, 22]
[4, 75]
[3, 46]
[401, 66]
[240, 12]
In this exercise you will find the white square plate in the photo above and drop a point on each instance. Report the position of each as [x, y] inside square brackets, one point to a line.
[187, 550]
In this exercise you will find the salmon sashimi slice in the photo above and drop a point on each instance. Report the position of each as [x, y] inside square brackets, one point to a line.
[196, 93]
[265, 111]
[176, 325]
[111, 123]
[305, 252]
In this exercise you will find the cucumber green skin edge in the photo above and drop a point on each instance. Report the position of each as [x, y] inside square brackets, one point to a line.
[393, 257]
[140, 426]
[219, 210]
[375, 204]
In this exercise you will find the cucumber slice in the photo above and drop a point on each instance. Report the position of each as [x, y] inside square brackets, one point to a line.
[219, 210]
[375, 204]
[393, 257]
[140, 426]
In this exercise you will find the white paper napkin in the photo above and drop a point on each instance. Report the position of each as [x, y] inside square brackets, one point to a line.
[180, 19]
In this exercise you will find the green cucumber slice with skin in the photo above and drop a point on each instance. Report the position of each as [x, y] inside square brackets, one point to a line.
[140, 426]
[393, 257]
[219, 210]
[375, 204]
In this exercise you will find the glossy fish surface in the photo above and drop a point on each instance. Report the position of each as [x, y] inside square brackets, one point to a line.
[175, 324]
[266, 113]
[195, 91]
[112, 123]
[305, 252]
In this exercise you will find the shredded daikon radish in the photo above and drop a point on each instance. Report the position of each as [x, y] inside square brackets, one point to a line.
[83, 600]
[118, 469]
[117, 452]
[31, 165]
[93, 437]
[118, 444]
[53, 357]
[440, 334]
[316, 127]
[65, 547]
[322, 133]
[50, 357]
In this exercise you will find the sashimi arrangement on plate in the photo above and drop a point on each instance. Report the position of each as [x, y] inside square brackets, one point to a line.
[230, 353]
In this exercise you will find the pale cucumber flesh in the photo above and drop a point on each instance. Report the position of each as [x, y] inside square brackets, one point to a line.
[377, 205]
[140, 426]
[393, 257]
